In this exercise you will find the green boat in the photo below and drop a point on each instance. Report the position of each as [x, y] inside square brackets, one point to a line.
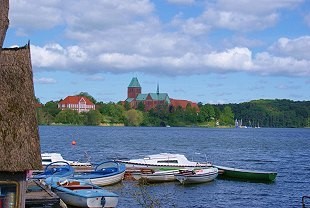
[246, 175]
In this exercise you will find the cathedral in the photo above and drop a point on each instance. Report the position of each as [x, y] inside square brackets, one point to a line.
[151, 100]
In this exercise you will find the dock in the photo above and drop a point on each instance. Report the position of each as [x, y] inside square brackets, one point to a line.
[39, 195]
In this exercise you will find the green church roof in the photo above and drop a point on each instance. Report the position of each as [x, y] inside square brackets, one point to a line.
[141, 97]
[159, 96]
[134, 82]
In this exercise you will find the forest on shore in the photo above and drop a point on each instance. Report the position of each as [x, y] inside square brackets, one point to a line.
[277, 113]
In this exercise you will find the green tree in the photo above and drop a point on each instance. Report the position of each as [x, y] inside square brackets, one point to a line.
[85, 94]
[141, 106]
[227, 116]
[93, 118]
[112, 112]
[69, 117]
[51, 108]
[133, 117]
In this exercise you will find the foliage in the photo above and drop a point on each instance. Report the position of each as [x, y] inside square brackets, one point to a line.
[114, 112]
[227, 117]
[263, 113]
[85, 94]
[93, 118]
[133, 117]
[273, 113]
[69, 117]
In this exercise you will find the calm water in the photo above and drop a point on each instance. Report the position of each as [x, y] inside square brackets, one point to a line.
[286, 151]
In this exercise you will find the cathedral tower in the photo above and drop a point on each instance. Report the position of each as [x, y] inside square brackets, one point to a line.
[134, 88]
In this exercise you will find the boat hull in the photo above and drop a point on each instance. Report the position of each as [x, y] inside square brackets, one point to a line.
[199, 177]
[105, 180]
[137, 166]
[74, 200]
[156, 177]
[78, 193]
[103, 176]
[248, 175]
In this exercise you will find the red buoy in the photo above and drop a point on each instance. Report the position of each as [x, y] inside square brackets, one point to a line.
[73, 142]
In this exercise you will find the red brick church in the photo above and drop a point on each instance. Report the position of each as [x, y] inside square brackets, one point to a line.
[151, 100]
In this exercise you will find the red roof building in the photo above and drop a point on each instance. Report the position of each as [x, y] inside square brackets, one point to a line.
[183, 103]
[151, 100]
[77, 103]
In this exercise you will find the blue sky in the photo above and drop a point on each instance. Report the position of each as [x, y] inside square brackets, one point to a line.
[209, 51]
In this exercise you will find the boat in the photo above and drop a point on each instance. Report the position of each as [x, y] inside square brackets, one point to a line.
[106, 173]
[247, 175]
[197, 175]
[59, 168]
[48, 158]
[151, 176]
[167, 160]
[81, 194]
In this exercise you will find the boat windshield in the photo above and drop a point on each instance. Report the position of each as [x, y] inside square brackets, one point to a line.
[167, 161]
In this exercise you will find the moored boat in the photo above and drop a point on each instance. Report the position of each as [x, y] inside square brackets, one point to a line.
[248, 175]
[166, 160]
[60, 169]
[197, 175]
[48, 158]
[81, 194]
[152, 176]
[106, 173]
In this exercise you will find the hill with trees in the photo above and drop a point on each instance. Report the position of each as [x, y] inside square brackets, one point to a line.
[264, 113]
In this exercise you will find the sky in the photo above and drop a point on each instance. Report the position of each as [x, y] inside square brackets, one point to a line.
[209, 51]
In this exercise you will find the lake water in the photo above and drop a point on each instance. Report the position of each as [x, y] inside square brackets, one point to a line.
[286, 151]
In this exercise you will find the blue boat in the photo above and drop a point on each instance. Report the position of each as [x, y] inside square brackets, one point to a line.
[59, 168]
[104, 174]
[79, 193]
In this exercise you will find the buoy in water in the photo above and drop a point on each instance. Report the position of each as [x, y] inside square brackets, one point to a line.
[73, 142]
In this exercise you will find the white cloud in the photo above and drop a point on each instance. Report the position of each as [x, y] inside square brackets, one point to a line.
[57, 57]
[307, 19]
[121, 36]
[297, 48]
[238, 21]
[35, 14]
[44, 80]
[95, 77]
[232, 59]
[260, 7]
[269, 64]
[52, 55]
[185, 2]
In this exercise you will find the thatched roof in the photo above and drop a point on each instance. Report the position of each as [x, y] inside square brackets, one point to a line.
[4, 20]
[19, 136]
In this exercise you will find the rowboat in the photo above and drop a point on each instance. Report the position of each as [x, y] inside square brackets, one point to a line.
[197, 175]
[106, 173]
[81, 194]
[152, 176]
[166, 160]
[248, 175]
[60, 169]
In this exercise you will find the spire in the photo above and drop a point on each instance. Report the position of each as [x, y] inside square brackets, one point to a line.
[157, 88]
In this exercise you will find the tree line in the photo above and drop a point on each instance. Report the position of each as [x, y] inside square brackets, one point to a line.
[262, 113]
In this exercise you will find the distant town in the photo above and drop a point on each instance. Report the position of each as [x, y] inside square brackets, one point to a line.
[158, 109]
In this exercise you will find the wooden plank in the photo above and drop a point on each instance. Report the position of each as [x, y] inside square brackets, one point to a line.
[39, 195]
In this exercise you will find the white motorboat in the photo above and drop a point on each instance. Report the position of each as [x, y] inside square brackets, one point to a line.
[197, 175]
[48, 158]
[167, 160]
